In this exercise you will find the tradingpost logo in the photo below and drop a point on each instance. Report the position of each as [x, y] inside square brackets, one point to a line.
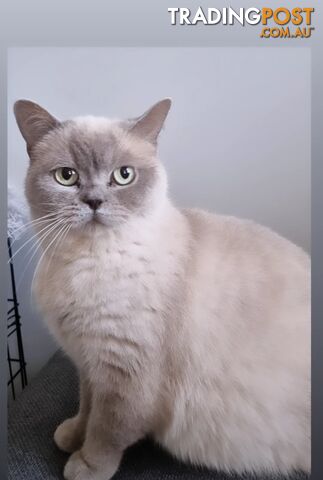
[280, 22]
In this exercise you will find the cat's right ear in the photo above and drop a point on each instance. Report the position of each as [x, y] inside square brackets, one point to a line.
[33, 121]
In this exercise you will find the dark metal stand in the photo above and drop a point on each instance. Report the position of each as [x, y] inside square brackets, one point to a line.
[14, 327]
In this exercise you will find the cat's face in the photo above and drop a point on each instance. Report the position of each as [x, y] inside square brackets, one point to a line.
[91, 171]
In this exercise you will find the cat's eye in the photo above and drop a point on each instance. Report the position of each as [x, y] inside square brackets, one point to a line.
[123, 175]
[66, 176]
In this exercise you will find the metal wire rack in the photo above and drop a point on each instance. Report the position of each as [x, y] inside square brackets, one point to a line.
[15, 349]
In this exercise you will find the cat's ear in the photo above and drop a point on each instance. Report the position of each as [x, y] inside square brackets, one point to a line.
[149, 125]
[33, 121]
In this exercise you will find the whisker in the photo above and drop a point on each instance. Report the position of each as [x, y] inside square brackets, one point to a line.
[121, 209]
[64, 230]
[32, 222]
[36, 246]
[35, 235]
[31, 228]
[41, 258]
[36, 205]
[59, 209]
[119, 215]
[38, 221]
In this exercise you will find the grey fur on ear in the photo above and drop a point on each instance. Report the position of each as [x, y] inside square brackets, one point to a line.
[149, 125]
[33, 121]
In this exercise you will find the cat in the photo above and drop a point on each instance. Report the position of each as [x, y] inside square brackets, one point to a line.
[188, 326]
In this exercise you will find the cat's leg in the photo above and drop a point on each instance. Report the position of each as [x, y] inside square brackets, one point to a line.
[114, 424]
[69, 435]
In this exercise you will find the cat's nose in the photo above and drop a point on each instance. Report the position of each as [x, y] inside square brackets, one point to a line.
[93, 203]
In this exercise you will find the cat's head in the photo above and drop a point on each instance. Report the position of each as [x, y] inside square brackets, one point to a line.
[92, 171]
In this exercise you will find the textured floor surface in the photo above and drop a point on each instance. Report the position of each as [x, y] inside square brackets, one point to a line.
[51, 398]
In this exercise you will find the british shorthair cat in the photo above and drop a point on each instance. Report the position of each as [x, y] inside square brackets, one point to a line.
[185, 325]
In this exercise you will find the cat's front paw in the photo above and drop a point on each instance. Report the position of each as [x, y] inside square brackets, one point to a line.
[79, 468]
[69, 435]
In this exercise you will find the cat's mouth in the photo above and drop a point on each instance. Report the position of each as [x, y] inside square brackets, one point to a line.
[96, 219]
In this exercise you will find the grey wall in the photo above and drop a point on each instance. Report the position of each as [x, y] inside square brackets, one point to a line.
[237, 139]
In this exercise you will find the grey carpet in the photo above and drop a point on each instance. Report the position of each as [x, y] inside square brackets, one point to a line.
[51, 398]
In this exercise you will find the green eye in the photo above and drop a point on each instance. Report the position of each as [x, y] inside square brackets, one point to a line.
[124, 175]
[66, 176]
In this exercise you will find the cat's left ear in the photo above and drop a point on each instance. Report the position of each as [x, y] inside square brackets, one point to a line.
[149, 125]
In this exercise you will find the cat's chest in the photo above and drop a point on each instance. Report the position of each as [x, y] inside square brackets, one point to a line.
[104, 295]
[105, 274]
[100, 284]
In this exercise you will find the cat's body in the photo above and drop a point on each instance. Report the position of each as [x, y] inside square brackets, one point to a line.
[188, 326]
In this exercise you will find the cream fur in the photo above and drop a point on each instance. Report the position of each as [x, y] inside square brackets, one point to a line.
[220, 313]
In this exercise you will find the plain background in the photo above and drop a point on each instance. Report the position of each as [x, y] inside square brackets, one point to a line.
[237, 140]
